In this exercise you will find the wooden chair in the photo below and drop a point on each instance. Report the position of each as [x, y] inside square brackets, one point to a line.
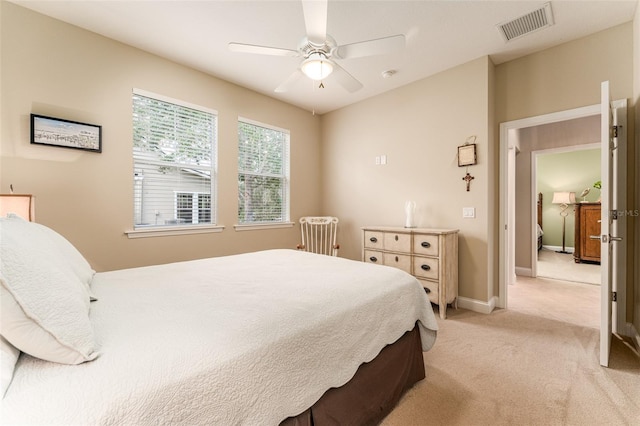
[319, 234]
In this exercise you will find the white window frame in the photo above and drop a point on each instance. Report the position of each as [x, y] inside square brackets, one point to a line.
[286, 176]
[191, 228]
[195, 205]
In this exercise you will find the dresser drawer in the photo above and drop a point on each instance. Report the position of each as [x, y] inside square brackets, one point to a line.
[425, 267]
[397, 242]
[431, 288]
[425, 244]
[373, 256]
[373, 239]
[400, 261]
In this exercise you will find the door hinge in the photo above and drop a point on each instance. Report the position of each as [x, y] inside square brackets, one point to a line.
[614, 129]
[613, 214]
[614, 296]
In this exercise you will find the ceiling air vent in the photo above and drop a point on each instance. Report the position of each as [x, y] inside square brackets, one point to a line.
[533, 21]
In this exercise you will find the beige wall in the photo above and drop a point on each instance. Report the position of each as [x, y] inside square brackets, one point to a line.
[55, 69]
[419, 128]
[566, 76]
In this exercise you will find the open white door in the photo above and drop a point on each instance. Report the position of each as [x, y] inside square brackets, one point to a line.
[606, 168]
[611, 256]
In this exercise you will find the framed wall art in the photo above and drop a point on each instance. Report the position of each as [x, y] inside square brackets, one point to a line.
[467, 155]
[65, 133]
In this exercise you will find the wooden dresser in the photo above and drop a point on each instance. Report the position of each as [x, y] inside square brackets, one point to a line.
[587, 224]
[431, 255]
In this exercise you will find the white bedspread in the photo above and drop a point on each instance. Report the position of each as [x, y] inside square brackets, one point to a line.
[221, 341]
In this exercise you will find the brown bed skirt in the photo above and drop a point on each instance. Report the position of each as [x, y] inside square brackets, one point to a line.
[374, 390]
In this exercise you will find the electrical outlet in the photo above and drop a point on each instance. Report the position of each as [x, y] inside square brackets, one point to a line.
[469, 212]
[383, 159]
[377, 160]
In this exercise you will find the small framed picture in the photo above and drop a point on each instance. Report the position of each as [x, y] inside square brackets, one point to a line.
[467, 155]
[65, 133]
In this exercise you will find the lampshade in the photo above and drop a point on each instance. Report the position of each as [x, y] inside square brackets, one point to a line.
[317, 66]
[564, 198]
[19, 204]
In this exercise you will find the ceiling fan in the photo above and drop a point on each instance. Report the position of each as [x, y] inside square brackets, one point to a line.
[320, 50]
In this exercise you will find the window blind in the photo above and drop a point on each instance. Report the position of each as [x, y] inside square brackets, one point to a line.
[263, 173]
[174, 148]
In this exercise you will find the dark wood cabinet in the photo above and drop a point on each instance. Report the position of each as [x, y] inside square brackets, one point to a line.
[587, 224]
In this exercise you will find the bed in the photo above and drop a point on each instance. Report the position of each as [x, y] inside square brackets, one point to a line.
[539, 230]
[270, 337]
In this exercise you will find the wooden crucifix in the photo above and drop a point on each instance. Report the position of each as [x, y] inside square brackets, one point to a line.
[468, 178]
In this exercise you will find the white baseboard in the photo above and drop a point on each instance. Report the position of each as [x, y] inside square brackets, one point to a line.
[523, 272]
[478, 305]
[558, 248]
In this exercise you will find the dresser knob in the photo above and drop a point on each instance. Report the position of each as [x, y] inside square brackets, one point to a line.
[396, 258]
[427, 290]
[373, 259]
[373, 239]
[425, 267]
[426, 244]
[396, 238]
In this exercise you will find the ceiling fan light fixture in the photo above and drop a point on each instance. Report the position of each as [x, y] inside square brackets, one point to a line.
[317, 66]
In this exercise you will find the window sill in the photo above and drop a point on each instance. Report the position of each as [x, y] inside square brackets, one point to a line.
[256, 226]
[168, 231]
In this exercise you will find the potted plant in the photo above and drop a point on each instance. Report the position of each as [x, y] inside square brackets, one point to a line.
[598, 185]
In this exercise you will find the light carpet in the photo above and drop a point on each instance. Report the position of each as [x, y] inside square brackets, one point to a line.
[570, 302]
[515, 368]
[562, 266]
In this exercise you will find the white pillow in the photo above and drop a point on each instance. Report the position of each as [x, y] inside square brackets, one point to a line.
[44, 307]
[76, 261]
[8, 358]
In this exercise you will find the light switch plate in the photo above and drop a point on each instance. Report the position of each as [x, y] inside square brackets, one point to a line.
[469, 212]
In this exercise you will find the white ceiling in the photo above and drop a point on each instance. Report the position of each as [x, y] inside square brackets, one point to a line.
[439, 34]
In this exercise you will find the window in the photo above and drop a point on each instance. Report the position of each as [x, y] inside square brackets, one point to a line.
[193, 207]
[174, 146]
[263, 173]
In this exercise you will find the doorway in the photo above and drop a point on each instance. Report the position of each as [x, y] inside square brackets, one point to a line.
[560, 157]
[508, 148]
[509, 145]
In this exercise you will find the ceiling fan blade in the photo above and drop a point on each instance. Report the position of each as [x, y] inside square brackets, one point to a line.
[380, 46]
[315, 20]
[262, 50]
[345, 79]
[289, 82]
